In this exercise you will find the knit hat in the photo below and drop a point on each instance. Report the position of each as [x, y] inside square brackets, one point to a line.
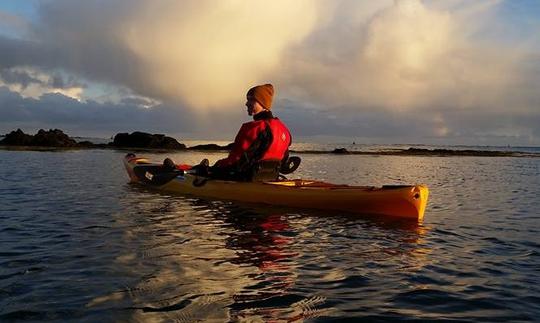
[262, 94]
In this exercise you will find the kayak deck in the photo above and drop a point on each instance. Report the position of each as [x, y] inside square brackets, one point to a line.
[407, 201]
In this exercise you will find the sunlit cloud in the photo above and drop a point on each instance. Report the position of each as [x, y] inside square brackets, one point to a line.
[435, 61]
[203, 53]
[404, 44]
[409, 56]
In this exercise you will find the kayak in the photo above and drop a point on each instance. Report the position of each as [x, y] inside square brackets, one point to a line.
[403, 201]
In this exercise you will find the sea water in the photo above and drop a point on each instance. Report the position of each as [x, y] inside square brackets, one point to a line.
[79, 243]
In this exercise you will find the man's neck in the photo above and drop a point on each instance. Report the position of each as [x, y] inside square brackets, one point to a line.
[263, 115]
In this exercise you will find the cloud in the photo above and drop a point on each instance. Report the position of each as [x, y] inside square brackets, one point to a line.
[103, 119]
[33, 83]
[205, 53]
[16, 76]
[27, 76]
[399, 55]
[422, 69]
[430, 61]
[12, 23]
[443, 125]
[407, 56]
[373, 125]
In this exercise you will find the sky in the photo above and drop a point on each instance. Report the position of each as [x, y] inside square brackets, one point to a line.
[390, 71]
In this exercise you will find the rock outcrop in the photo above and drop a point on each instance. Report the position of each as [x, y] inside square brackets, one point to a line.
[139, 139]
[340, 151]
[50, 138]
[211, 147]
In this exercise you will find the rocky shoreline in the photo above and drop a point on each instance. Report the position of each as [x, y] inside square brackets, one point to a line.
[426, 152]
[55, 139]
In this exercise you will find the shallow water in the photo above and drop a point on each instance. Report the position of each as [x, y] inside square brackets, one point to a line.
[79, 243]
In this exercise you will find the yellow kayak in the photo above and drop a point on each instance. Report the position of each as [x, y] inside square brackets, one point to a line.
[402, 201]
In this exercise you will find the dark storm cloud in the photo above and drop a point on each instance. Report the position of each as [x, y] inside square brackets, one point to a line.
[347, 122]
[443, 125]
[105, 119]
[59, 81]
[18, 52]
[57, 110]
[85, 54]
[17, 76]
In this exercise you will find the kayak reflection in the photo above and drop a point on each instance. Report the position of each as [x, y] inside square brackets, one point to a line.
[215, 260]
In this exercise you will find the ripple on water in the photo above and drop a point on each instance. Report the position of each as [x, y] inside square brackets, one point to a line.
[444, 302]
[84, 245]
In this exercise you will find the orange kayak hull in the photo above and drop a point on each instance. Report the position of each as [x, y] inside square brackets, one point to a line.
[403, 201]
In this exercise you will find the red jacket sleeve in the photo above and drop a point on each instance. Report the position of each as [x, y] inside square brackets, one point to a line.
[246, 136]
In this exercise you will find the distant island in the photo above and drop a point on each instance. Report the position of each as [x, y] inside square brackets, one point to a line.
[56, 138]
[142, 141]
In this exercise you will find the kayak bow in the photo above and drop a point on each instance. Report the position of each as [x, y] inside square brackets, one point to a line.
[404, 201]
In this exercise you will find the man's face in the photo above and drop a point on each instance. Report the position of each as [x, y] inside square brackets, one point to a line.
[253, 107]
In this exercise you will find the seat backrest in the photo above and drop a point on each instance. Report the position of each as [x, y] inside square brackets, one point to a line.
[289, 164]
[265, 170]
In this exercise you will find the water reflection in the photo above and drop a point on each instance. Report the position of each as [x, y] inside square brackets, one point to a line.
[78, 236]
[193, 259]
[263, 241]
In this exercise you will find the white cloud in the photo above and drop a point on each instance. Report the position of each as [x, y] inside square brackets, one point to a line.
[404, 44]
[409, 56]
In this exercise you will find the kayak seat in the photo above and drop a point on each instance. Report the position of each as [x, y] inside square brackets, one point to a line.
[260, 171]
[265, 170]
[169, 164]
[269, 170]
[289, 165]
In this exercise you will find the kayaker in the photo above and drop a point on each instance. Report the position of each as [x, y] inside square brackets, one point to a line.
[263, 142]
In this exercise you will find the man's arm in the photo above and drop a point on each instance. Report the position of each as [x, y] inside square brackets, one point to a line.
[244, 139]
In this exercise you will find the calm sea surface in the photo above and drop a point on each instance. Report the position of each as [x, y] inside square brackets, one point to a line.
[78, 243]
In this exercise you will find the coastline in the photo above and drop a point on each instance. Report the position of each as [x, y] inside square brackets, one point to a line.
[420, 152]
[57, 140]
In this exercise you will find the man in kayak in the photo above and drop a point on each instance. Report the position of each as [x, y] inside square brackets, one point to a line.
[260, 145]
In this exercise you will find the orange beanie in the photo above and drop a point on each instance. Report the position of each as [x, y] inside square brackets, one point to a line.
[263, 94]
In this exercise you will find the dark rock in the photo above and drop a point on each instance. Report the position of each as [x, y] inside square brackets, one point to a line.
[459, 152]
[51, 138]
[341, 151]
[211, 147]
[17, 138]
[139, 139]
[88, 144]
